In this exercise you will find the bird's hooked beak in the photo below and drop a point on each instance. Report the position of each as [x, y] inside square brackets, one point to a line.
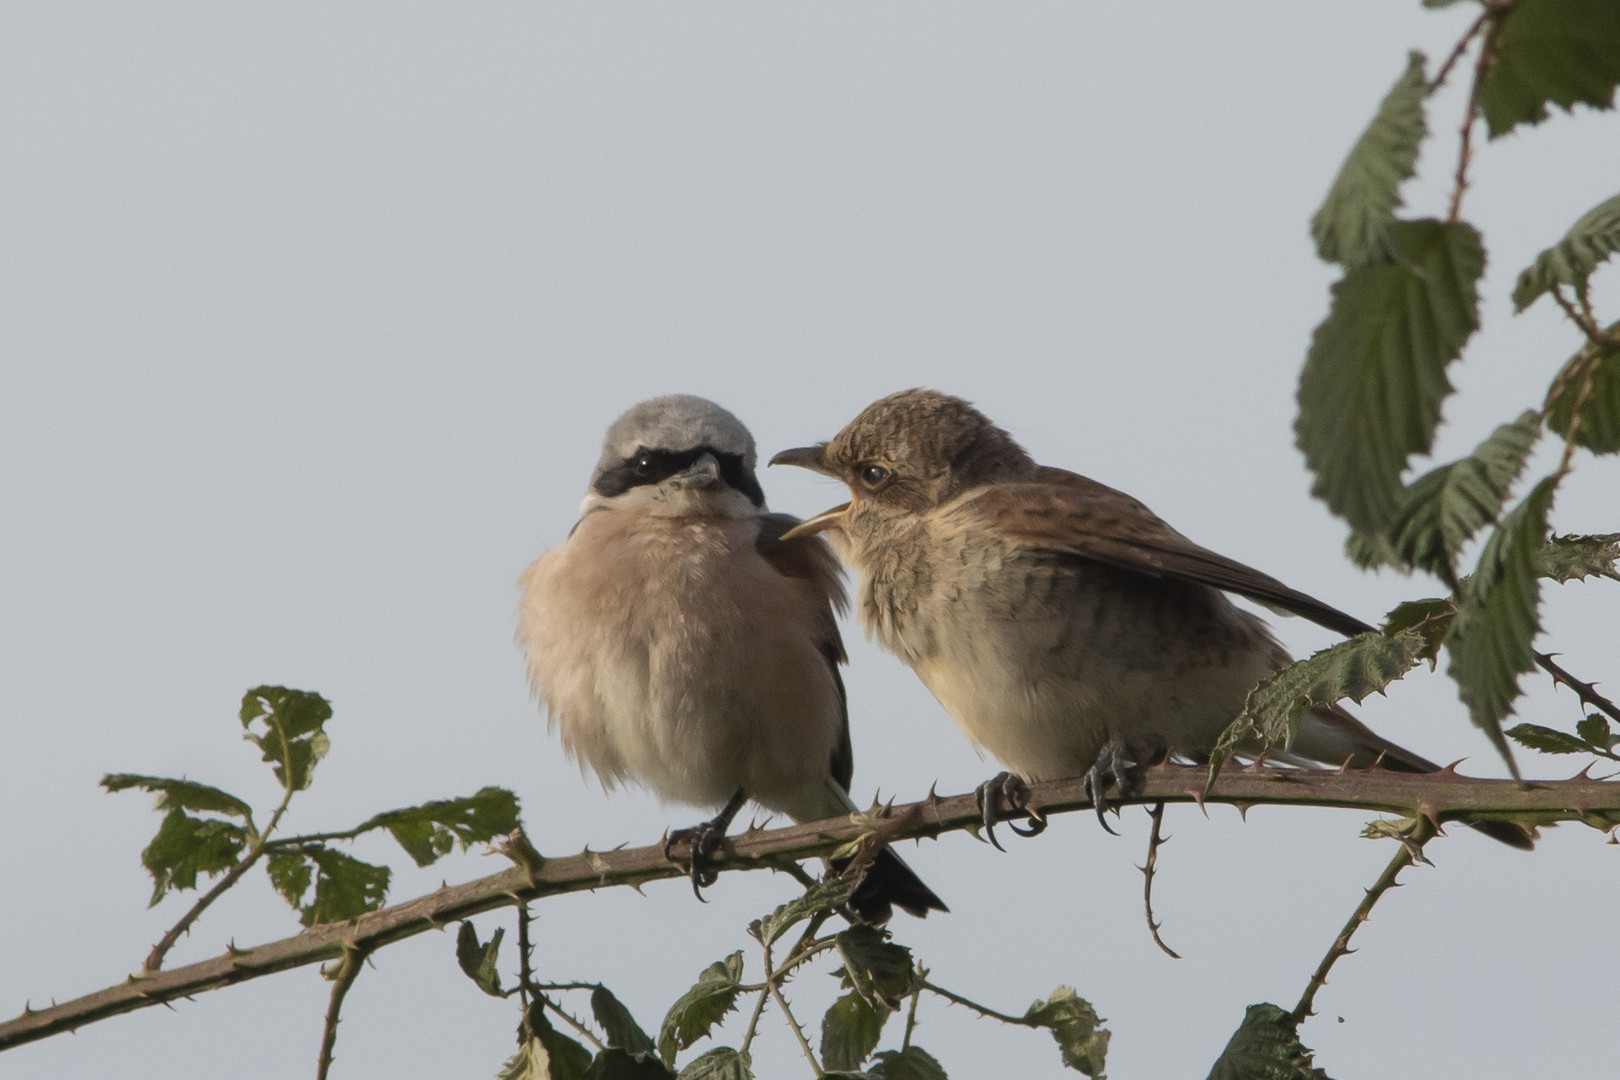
[702, 473]
[813, 458]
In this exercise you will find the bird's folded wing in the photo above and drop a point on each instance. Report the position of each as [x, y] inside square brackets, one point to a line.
[1066, 512]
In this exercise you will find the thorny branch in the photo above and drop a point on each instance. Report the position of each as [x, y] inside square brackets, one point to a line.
[1443, 796]
[348, 970]
[1156, 840]
[1411, 850]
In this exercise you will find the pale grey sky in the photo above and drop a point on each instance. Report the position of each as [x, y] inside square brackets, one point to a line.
[312, 317]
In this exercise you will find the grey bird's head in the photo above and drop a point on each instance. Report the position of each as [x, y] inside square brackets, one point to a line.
[678, 456]
[908, 453]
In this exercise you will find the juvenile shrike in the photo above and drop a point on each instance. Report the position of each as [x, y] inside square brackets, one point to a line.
[1066, 628]
[677, 640]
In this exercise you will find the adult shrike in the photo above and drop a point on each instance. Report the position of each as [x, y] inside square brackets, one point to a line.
[1066, 628]
[678, 640]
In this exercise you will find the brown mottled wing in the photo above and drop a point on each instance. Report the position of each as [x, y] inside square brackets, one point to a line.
[810, 559]
[1066, 512]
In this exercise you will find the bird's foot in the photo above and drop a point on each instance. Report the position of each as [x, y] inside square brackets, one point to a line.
[703, 840]
[1000, 798]
[1115, 765]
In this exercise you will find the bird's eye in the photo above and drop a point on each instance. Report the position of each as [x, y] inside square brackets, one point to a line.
[643, 464]
[873, 475]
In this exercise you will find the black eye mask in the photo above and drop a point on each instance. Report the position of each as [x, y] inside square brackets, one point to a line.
[655, 466]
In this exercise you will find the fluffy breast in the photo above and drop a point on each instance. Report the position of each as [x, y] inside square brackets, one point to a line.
[668, 652]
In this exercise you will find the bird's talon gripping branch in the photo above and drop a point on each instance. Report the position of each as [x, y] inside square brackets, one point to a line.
[999, 798]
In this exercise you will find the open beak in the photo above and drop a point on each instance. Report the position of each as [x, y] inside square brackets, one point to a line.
[813, 458]
[827, 519]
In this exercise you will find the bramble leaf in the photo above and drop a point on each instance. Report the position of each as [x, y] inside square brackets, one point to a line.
[1265, 1047]
[1076, 1027]
[874, 966]
[721, 1063]
[291, 875]
[1575, 558]
[1594, 728]
[912, 1063]
[615, 1020]
[1444, 508]
[700, 1008]
[1353, 669]
[1590, 380]
[828, 896]
[344, 886]
[618, 1064]
[531, 1062]
[1591, 240]
[850, 1031]
[1547, 740]
[1562, 52]
[478, 959]
[1375, 376]
[1350, 226]
[432, 829]
[1490, 642]
[294, 738]
[181, 794]
[565, 1058]
[1429, 618]
[186, 846]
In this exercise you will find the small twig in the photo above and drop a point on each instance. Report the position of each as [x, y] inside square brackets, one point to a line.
[1465, 152]
[753, 1021]
[982, 1010]
[1155, 841]
[525, 971]
[1587, 692]
[911, 1013]
[1411, 849]
[1581, 317]
[545, 999]
[1457, 52]
[348, 970]
[771, 981]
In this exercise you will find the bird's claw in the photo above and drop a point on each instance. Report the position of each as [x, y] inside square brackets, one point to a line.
[1114, 765]
[999, 798]
[703, 840]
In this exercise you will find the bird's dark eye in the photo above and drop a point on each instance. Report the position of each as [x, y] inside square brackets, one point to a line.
[643, 465]
[873, 475]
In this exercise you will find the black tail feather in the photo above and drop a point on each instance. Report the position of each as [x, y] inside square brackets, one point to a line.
[889, 881]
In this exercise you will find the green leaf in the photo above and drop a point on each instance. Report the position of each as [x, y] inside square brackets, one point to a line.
[1594, 728]
[1490, 643]
[1373, 381]
[1430, 619]
[181, 794]
[531, 1062]
[1265, 1047]
[186, 846]
[565, 1058]
[1360, 206]
[874, 967]
[478, 960]
[1589, 386]
[721, 1063]
[344, 886]
[1561, 52]
[1547, 740]
[1076, 1027]
[1442, 511]
[433, 829]
[293, 739]
[912, 1063]
[291, 875]
[1353, 669]
[618, 1064]
[850, 1031]
[621, 1028]
[828, 897]
[1575, 558]
[701, 1007]
[1590, 241]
